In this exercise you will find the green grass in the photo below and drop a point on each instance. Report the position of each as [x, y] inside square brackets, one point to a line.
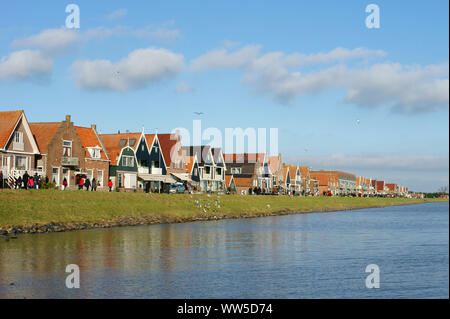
[28, 207]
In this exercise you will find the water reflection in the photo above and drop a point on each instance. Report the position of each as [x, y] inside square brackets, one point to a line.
[287, 256]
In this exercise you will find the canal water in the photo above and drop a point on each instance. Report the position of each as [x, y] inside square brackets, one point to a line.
[318, 255]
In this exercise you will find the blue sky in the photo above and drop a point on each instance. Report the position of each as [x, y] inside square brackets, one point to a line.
[310, 69]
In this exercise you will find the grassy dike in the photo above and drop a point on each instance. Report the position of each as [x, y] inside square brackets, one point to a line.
[37, 211]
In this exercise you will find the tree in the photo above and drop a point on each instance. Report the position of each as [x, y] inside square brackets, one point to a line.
[443, 190]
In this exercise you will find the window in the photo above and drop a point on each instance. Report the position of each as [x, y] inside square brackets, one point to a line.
[122, 142]
[218, 171]
[207, 169]
[94, 152]
[132, 142]
[236, 170]
[21, 162]
[55, 175]
[90, 174]
[195, 171]
[127, 161]
[100, 178]
[119, 180]
[18, 138]
[67, 148]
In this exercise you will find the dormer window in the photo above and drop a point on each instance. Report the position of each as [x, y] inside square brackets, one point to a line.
[94, 152]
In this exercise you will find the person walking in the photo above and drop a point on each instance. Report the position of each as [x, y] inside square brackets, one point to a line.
[110, 185]
[87, 183]
[25, 179]
[81, 183]
[1, 179]
[94, 185]
[64, 184]
[30, 183]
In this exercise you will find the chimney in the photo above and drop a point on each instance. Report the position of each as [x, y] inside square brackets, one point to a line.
[67, 118]
[94, 127]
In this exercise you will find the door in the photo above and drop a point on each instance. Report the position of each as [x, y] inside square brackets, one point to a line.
[130, 180]
[66, 175]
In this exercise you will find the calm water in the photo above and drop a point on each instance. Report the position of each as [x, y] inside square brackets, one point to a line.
[320, 255]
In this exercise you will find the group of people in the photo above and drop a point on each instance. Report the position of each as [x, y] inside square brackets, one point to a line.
[83, 182]
[29, 182]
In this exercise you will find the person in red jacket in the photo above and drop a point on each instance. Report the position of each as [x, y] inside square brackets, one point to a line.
[81, 184]
[110, 185]
[64, 184]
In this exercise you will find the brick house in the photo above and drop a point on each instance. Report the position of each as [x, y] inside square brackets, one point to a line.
[251, 165]
[276, 170]
[70, 152]
[18, 148]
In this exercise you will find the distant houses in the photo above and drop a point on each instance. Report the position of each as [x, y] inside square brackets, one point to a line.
[62, 152]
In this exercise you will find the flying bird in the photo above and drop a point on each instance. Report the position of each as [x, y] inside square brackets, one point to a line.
[198, 113]
[357, 121]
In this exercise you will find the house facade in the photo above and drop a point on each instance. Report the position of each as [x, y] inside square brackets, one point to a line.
[18, 149]
[211, 166]
[70, 152]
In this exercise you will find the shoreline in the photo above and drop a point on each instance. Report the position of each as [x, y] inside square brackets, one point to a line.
[144, 220]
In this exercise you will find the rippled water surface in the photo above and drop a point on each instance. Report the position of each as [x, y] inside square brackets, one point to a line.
[320, 255]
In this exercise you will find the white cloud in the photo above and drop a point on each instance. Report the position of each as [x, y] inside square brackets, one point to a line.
[183, 88]
[25, 64]
[138, 69]
[401, 88]
[50, 40]
[221, 58]
[119, 13]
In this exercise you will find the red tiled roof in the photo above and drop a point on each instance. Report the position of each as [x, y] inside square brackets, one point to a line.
[8, 120]
[304, 171]
[189, 160]
[111, 143]
[228, 180]
[88, 138]
[43, 133]
[243, 181]
[170, 143]
[274, 162]
[380, 185]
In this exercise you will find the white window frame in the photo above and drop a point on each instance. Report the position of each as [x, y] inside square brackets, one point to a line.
[127, 161]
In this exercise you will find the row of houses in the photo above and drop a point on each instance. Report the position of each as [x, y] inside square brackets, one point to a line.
[136, 161]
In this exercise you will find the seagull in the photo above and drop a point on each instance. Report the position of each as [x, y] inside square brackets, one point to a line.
[357, 121]
[198, 113]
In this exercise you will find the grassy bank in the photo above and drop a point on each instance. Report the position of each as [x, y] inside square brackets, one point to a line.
[29, 207]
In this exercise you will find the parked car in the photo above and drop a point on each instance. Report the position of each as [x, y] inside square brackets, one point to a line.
[177, 188]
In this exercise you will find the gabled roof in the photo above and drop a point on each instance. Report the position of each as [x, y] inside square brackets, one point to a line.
[189, 161]
[304, 171]
[228, 179]
[149, 138]
[89, 138]
[285, 173]
[274, 163]
[8, 121]
[43, 133]
[169, 142]
[201, 152]
[112, 144]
